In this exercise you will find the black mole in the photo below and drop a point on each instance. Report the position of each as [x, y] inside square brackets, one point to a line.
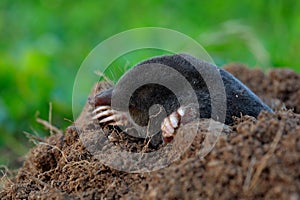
[240, 100]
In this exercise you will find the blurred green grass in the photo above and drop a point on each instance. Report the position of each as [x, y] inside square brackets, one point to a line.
[44, 42]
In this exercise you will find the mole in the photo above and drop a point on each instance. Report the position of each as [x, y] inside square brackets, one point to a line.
[240, 100]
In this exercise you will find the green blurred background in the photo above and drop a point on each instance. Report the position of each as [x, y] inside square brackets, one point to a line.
[43, 43]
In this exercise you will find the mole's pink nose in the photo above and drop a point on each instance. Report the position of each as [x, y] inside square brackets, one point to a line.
[103, 98]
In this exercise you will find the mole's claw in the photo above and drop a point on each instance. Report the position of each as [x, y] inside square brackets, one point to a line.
[174, 120]
[170, 124]
[102, 115]
[108, 119]
[101, 108]
[106, 113]
[95, 117]
[167, 128]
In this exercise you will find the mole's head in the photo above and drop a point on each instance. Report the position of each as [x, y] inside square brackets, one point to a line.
[102, 99]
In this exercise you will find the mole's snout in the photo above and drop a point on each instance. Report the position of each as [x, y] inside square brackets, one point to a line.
[103, 98]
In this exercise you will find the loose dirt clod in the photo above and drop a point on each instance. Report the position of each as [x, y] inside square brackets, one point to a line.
[255, 159]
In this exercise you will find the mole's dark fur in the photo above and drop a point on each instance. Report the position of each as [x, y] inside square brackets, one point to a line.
[240, 99]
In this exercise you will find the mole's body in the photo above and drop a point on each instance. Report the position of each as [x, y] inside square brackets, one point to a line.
[239, 99]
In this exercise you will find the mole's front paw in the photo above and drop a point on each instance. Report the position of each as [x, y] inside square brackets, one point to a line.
[106, 115]
[181, 116]
[170, 124]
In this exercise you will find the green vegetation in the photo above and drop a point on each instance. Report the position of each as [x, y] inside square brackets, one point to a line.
[44, 42]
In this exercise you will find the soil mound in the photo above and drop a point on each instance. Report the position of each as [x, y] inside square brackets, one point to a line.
[254, 158]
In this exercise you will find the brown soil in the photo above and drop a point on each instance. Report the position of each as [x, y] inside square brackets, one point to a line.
[254, 158]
